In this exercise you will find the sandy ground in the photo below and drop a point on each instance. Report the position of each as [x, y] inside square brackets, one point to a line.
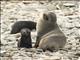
[68, 19]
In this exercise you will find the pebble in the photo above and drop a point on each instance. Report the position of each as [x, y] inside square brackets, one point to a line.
[68, 21]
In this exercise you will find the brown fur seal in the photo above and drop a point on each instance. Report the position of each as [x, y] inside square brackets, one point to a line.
[44, 25]
[49, 36]
[53, 40]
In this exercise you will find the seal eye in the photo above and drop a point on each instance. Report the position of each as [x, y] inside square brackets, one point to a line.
[27, 32]
[45, 17]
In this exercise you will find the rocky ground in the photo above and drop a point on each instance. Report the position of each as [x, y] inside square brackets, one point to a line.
[68, 19]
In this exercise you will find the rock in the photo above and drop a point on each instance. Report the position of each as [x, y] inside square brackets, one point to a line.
[79, 58]
[69, 5]
[52, 58]
[77, 54]
[2, 53]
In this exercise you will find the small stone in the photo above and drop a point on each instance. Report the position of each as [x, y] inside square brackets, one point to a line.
[69, 5]
[39, 50]
[52, 58]
[79, 58]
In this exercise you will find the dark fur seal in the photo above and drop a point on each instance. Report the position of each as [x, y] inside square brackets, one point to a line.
[25, 41]
[17, 26]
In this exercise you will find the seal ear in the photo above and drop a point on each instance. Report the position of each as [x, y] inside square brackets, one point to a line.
[45, 17]
[53, 17]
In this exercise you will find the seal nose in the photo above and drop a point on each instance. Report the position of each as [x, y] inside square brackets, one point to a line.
[24, 32]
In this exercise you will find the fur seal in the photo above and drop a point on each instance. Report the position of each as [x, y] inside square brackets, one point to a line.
[45, 24]
[17, 26]
[25, 41]
[49, 35]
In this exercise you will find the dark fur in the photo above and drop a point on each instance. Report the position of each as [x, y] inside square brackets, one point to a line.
[49, 35]
[17, 26]
[25, 40]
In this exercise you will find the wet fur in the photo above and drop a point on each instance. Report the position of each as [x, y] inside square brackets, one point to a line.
[25, 41]
[17, 26]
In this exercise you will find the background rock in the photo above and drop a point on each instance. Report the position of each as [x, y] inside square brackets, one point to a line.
[68, 19]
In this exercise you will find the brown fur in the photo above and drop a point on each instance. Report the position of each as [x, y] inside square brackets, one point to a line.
[44, 25]
[49, 36]
[53, 40]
